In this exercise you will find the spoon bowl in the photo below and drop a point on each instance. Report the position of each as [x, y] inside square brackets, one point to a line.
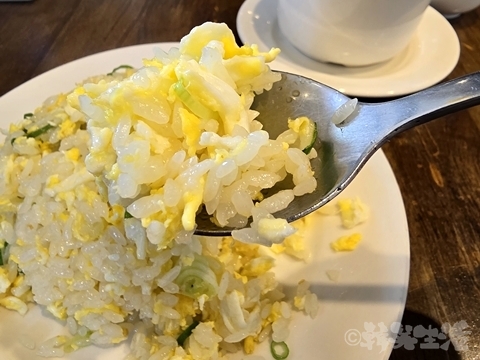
[343, 149]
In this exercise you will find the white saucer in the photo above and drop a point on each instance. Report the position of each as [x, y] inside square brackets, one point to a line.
[430, 57]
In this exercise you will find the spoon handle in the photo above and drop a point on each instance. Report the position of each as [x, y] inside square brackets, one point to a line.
[404, 113]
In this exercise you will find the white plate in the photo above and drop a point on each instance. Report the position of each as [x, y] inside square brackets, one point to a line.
[373, 279]
[430, 57]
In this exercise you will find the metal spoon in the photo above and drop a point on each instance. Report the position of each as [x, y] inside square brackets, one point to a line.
[345, 148]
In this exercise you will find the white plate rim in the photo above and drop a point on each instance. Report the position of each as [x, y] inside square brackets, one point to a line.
[429, 58]
[389, 304]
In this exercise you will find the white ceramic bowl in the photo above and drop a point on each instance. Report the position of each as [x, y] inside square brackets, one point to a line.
[453, 8]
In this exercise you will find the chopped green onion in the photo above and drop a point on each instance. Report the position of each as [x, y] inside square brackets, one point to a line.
[127, 215]
[186, 333]
[197, 279]
[27, 115]
[35, 133]
[119, 68]
[191, 103]
[40, 131]
[76, 342]
[275, 347]
[312, 133]
[13, 139]
[2, 252]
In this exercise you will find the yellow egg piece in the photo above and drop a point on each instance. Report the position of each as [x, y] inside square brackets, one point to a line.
[14, 303]
[346, 243]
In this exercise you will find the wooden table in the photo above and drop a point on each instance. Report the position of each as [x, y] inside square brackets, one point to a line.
[437, 165]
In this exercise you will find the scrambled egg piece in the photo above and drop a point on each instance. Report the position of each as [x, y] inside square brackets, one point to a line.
[346, 243]
[200, 36]
[66, 128]
[294, 244]
[191, 129]
[116, 214]
[258, 266]
[352, 212]
[249, 345]
[8, 300]
[4, 281]
[73, 154]
[193, 199]
[14, 303]
[274, 230]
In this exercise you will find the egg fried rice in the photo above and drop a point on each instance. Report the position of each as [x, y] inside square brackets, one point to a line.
[99, 189]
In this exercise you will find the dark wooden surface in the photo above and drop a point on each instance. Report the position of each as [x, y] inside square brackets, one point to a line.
[436, 165]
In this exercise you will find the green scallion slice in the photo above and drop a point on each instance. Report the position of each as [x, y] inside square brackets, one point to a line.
[197, 279]
[2, 253]
[120, 68]
[40, 131]
[186, 333]
[279, 350]
[76, 342]
[191, 103]
[310, 137]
